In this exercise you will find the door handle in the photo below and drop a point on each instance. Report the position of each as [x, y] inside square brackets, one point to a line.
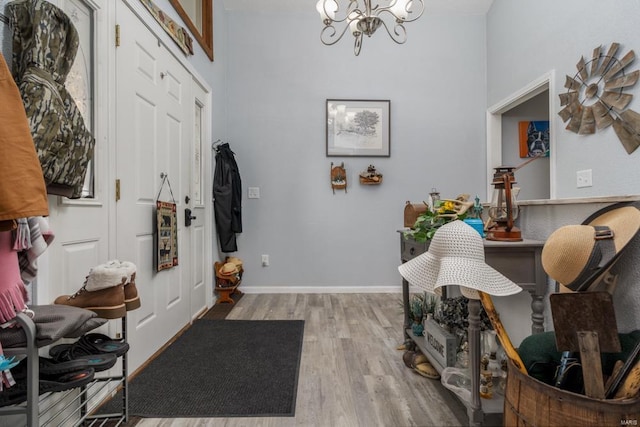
[188, 217]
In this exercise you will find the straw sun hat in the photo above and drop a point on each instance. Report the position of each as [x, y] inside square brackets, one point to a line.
[576, 256]
[228, 269]
[456, 257]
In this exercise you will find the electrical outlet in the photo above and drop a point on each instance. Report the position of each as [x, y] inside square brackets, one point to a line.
[583, 178]
[265, 260]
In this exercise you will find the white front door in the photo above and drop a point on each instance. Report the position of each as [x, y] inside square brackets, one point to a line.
[155, 116]
[200, 244]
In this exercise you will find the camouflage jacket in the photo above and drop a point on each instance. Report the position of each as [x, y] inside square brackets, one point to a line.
[45, 44]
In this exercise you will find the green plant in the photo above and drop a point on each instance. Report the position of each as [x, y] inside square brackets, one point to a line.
[428, 222]
[429, 304]
[415, 308]
[422, 304]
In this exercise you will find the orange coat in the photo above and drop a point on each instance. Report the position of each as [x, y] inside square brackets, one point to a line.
[22, 188]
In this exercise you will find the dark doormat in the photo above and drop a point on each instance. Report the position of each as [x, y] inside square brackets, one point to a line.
[222, 309]
[221, 368]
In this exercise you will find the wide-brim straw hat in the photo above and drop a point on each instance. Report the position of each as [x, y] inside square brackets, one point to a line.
[456, 257]
[576, 256]
[235, 260]
[228, 269]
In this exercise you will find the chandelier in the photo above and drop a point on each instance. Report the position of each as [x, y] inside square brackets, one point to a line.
[359, 17]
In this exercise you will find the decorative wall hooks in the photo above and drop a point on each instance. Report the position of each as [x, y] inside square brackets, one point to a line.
[596, 98]
[338, 178]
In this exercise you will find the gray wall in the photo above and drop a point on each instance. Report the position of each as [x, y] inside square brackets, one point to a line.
[532, 178]
[526, 39]
[279, 77]
[440, 84]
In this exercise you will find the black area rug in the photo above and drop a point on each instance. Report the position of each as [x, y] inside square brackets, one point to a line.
[221, 368]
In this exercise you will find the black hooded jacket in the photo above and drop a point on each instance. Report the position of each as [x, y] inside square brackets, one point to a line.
[227, 198]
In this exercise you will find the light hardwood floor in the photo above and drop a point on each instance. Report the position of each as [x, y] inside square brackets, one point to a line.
[351, 373]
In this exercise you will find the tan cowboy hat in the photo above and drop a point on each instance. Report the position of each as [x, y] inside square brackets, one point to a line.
[228, 269]
[456, 257]
[576, 256]
[235, 260]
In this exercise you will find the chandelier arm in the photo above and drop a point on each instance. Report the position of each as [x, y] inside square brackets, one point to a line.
[330, 36]
[408, 9]
[399, 33]
[352, 12]
[357, 44]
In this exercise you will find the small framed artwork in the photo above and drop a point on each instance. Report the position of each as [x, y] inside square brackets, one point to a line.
[166, 235]
[534, 138]
[358, 128]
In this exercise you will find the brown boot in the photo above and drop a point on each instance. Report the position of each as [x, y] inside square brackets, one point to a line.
[107, 303]
[131, 298]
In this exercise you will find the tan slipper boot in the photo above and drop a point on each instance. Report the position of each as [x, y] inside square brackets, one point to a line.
[407, 358]
[105, 276]
[419, 359]
[131, 298]
[107, 303]
[427, 370]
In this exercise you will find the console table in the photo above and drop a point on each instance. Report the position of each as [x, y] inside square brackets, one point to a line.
[520, 262]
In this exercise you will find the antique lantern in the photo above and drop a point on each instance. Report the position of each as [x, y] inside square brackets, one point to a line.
[503, 209]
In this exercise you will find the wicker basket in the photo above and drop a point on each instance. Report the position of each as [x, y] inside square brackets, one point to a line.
[411, 213]
[532, 403]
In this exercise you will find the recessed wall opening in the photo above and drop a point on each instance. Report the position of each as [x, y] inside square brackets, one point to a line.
[531, 103]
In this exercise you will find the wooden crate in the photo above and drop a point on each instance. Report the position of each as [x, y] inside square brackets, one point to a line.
[532, 403]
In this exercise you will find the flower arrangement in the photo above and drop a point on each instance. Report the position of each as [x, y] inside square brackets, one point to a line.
[446, 211]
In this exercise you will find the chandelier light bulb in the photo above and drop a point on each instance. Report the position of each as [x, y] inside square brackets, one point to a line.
[399, 9]
[327, 9]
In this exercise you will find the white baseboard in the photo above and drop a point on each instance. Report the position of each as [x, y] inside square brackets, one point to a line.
[321, 289]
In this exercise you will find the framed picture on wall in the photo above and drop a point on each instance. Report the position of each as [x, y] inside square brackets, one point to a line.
[358, 128]
[534, 138]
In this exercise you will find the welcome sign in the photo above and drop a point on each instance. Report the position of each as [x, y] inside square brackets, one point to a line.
[440, 344]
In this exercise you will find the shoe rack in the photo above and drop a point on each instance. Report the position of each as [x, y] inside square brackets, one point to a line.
[78, 401]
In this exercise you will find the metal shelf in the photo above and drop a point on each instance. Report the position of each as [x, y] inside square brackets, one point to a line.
[62, 408]
[494, 405]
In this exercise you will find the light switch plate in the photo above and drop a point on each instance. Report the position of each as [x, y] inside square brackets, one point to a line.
[254, 192]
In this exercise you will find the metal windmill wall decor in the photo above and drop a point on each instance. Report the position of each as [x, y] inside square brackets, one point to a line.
[596, 97]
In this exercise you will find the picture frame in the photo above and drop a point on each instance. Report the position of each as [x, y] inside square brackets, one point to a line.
[166, 235]
[534, 138]
[358, 128]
